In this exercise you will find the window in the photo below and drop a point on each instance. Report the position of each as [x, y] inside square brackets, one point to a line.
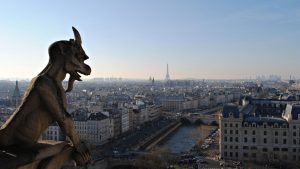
[284, 141]
[265, 126]
[265, 150]
[236, 132]
[284, 133]
[245, 155]
[236, 125]
[294, 141]
[265, 140]
[245, 132]
[265, 132]
[294, 150]
[225, 131]
[245, 140]
[245, 147]
[225, 147]
[225, 139]
[225, 153]
[253, 148]
[276, 149]
[230, 154]
[276, 133]
[236, 139]
[253, 155]
[236, 147]
[294, 127]
[253, 132]
[276, 140]
[294, 134]
[225, 124]
[253, 140]
[230, 131]
[284, 149]
[230, 139]
[236, 154]
[230, 124]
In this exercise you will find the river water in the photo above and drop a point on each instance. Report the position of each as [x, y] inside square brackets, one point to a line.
[185, 137]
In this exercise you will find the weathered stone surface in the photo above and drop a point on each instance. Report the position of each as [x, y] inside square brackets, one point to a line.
[44, 103]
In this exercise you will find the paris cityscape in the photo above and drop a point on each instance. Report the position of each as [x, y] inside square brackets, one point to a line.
[195, 123]
[166, 84]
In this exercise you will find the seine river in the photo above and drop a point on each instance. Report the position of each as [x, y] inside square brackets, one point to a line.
[184, 138]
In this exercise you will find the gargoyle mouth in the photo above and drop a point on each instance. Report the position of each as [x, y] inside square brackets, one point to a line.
[76, 75]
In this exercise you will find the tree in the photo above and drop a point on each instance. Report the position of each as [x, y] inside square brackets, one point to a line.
[198, 122]
[214, 123]
[159, 158]
[185, 121]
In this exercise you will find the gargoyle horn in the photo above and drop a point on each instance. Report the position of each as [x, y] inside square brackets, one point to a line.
[77, 36]
[77, 41]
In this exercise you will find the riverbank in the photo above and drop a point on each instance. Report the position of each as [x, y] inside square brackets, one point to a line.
[186, 137]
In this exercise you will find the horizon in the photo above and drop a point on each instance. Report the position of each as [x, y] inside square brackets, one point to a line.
[134, 39]
[87, 79]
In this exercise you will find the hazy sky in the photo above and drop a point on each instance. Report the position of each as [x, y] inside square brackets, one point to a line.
[136, 39]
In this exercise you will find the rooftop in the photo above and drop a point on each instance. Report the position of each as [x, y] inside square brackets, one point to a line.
[261, 120]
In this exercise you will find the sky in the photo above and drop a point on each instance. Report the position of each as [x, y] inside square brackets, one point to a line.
[203, 39]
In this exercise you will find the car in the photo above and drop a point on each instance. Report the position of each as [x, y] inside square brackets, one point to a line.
[236, 163]
[201, 161]
[222, 163]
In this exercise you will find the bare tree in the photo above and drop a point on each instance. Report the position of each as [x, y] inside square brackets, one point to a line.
[158, 158]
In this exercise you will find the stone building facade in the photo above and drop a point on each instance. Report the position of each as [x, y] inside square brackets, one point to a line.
[246, 136]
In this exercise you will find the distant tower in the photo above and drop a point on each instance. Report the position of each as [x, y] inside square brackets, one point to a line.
[167, 75]
[16, 97]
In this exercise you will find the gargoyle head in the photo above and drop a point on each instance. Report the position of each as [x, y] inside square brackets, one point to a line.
[69, 56]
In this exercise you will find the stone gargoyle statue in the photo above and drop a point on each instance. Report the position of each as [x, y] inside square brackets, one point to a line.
[44, 103]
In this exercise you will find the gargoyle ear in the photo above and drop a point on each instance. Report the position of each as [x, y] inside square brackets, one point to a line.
[77, 36]
[72, 41]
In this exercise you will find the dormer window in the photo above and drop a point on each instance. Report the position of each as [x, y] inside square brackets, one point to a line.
[253, 125]
[275, 125]
[230, 114]
[265, 125]
[284, 125]
[246, 124]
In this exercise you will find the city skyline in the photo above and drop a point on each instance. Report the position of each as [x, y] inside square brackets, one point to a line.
[133, 39]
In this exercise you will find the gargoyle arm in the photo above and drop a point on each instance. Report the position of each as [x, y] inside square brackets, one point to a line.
[49, 98]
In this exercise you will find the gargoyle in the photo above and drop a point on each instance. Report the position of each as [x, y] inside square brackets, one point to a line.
[44, 103]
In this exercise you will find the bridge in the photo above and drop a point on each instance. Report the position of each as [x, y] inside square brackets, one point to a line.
[207, 116]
